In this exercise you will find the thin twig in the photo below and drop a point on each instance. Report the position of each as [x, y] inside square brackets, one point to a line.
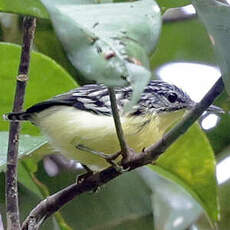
[117, 121]
[54, 202]
[13, 221]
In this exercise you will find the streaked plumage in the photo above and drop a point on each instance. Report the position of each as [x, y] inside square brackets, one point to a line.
[83, 116]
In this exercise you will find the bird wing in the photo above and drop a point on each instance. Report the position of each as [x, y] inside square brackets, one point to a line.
[92, 98]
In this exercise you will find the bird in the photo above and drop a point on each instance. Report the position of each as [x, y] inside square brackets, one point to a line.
[83, 117]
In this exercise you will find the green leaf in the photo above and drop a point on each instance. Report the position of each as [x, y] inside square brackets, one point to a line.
[224, 187]
[184, 45]
[27, 199]
[47, 43]
[106, 48]
[166, 4]
[25, 7]
[223, 190]
[25, 178]
[27, 145]
[35, 8]
[170, 202]
[122, 204]
[37, 147]
[216, 17]
[47, 79]
[190, 162]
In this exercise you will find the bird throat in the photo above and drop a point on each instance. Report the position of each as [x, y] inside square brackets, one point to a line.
[167, 120]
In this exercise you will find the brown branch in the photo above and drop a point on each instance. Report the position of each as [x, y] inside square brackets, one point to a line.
[54, 202]
[13, 221]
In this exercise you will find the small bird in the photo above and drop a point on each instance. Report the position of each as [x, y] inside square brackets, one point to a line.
[83, 117]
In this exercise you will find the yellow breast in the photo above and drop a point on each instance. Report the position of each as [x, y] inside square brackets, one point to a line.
[67, 127]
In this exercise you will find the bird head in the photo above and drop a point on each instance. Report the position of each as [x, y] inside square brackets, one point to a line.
[161, 97]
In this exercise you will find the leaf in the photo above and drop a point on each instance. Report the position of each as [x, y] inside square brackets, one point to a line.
[37, 147]
[173, 207]
[27, 145]
[184, 45]
[27, 199]
[25, 7]
[216, 17]
[47, 43]
[106, 48]
[47, 79]
[24, 177]
[166, 4]
[124, 203]
[35, 8]
[223, 177]
[190, 162]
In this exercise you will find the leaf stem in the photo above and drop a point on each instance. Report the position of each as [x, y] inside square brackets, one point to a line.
[13, 220]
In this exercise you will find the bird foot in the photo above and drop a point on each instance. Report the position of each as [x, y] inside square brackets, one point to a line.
[110, 158]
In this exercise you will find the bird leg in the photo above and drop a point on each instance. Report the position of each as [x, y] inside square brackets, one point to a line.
[108, 157]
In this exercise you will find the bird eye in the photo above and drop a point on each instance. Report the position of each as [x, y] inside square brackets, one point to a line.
[172, 97]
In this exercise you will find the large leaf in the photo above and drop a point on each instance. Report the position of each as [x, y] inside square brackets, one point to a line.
[173, 207]
[122, 204]
[32, 149]
[179, 43]
[34, 7]
[190, 162]
[47, 79]
[165, 4]
[28, 200]
[27, 145]
[223, 177]
[216, 16]
[25, 7]
[47, 43]
[106, 48]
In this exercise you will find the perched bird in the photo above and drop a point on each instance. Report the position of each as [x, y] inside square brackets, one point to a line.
[83, 117]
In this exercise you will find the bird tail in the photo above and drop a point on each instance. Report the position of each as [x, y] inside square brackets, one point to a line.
[17, 116]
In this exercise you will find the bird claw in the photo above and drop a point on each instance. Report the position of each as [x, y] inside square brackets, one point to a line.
[108, 157]
[117, 167]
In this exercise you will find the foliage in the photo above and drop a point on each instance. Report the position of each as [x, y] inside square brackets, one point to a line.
[187, 168]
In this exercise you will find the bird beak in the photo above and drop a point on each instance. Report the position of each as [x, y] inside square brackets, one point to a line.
[215, 109]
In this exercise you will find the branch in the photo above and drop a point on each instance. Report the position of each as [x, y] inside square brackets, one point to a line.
[54, 202]
[116, 117]
[13, 221]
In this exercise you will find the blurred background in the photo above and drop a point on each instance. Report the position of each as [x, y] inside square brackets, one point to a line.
[185, 57]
